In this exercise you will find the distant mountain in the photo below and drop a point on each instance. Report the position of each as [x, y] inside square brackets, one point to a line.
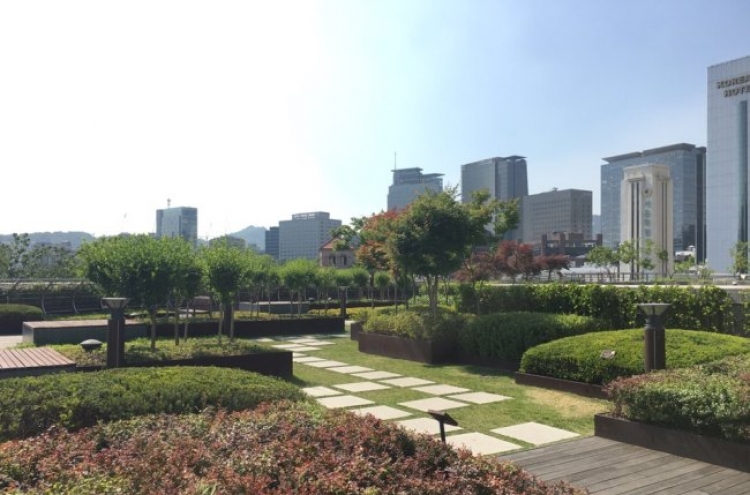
[252, 235]
[74, 238]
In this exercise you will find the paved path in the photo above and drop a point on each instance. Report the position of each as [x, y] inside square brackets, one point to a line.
[7, 341]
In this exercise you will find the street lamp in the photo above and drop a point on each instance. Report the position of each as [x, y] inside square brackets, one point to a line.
[115, 331]
[654, 350]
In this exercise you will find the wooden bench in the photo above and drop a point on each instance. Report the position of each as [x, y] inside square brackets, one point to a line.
[33, 361]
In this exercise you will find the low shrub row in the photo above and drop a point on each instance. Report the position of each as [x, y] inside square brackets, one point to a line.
[580, 358]
[282, 449]
[706, 308]
[138, 351]
[30, 405]
[711, 399]
[415, 323]
[12, 317]
[506, 336]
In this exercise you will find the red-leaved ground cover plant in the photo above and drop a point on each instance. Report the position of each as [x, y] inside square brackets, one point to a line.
[282, 448]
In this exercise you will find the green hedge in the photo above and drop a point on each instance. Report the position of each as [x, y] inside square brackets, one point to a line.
[30, 405]
[712, 399]
[506, 336]
[579, 358]
[414, 323]
[12, 317]
[706, 308]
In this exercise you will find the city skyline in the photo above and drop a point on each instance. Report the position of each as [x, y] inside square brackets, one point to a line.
[252, 112]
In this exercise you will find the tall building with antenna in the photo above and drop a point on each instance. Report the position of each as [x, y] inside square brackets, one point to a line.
[181, 221]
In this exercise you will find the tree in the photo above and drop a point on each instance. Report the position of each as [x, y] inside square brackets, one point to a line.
[297, 275]
[604, 257]
[382, 282]
[739, 253]
[553, 263]
[628, 253]
[140, 267]
[430, 239]
[225, 266]
[514, 259]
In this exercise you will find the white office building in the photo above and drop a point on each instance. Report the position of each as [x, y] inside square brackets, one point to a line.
[647, 213]
[727, 164]
[304, 234]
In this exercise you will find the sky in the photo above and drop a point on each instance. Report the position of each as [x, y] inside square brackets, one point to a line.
[252, 111]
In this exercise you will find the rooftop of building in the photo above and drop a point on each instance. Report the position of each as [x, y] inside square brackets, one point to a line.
[655, 151]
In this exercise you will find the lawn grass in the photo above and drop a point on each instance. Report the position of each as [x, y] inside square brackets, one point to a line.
[549, 407]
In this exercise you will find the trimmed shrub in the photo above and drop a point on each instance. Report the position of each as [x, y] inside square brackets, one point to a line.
[712, 399]
[283, 448]
[415, 323]
[506, 336]
[30, 405]
[707, 308]
[579, 358]
[12, 317]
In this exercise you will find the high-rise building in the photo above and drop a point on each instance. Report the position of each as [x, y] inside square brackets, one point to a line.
[647, 212]
[272, 242]
[181, 221]
[504, 178]
[304, 234]
[408, 183]
[686, 164]
[567, 211]
[728, 149]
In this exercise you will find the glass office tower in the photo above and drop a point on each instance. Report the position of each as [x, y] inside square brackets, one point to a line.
[727, 160]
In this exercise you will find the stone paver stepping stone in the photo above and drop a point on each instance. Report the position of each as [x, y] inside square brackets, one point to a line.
[382, 412]
[326, 363]
[376, 375]
[306, 359]
[441, 389]
[303, 341]
[436, 403]
[535, 433]
[320, 342]
[265, 339]
[350, 369]
[479, 397]
[320, 391]
[296, 347]
[344, 401]
[426, 425]
[362, 386]
[407, 381]
[480, 444]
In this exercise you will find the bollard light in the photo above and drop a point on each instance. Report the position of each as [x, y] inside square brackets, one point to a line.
[654, 349]
[115, 330]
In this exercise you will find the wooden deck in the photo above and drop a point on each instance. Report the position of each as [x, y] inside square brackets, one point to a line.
[607, 467]
[32, 361]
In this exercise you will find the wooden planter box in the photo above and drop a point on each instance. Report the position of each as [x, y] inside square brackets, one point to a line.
[578, 388]
[355, 329]
[423, 351]
[705, 449]
[273, 363]
[465, 358]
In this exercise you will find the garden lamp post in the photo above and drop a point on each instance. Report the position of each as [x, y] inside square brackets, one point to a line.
[654, 349]
[115, 331]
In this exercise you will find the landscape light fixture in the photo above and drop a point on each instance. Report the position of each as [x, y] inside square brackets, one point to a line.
[443, 418]
[115, 330]
[654, 349]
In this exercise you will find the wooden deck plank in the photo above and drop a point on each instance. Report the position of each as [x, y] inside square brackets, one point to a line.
[29, 358]
[17, 362]
[617, 468]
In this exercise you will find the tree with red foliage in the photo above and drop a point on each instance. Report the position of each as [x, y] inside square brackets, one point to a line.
[514, 259]
[553, 263]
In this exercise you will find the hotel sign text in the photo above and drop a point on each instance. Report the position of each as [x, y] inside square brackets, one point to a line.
[728, 85]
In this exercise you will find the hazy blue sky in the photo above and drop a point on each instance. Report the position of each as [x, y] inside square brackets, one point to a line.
[252, 111]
